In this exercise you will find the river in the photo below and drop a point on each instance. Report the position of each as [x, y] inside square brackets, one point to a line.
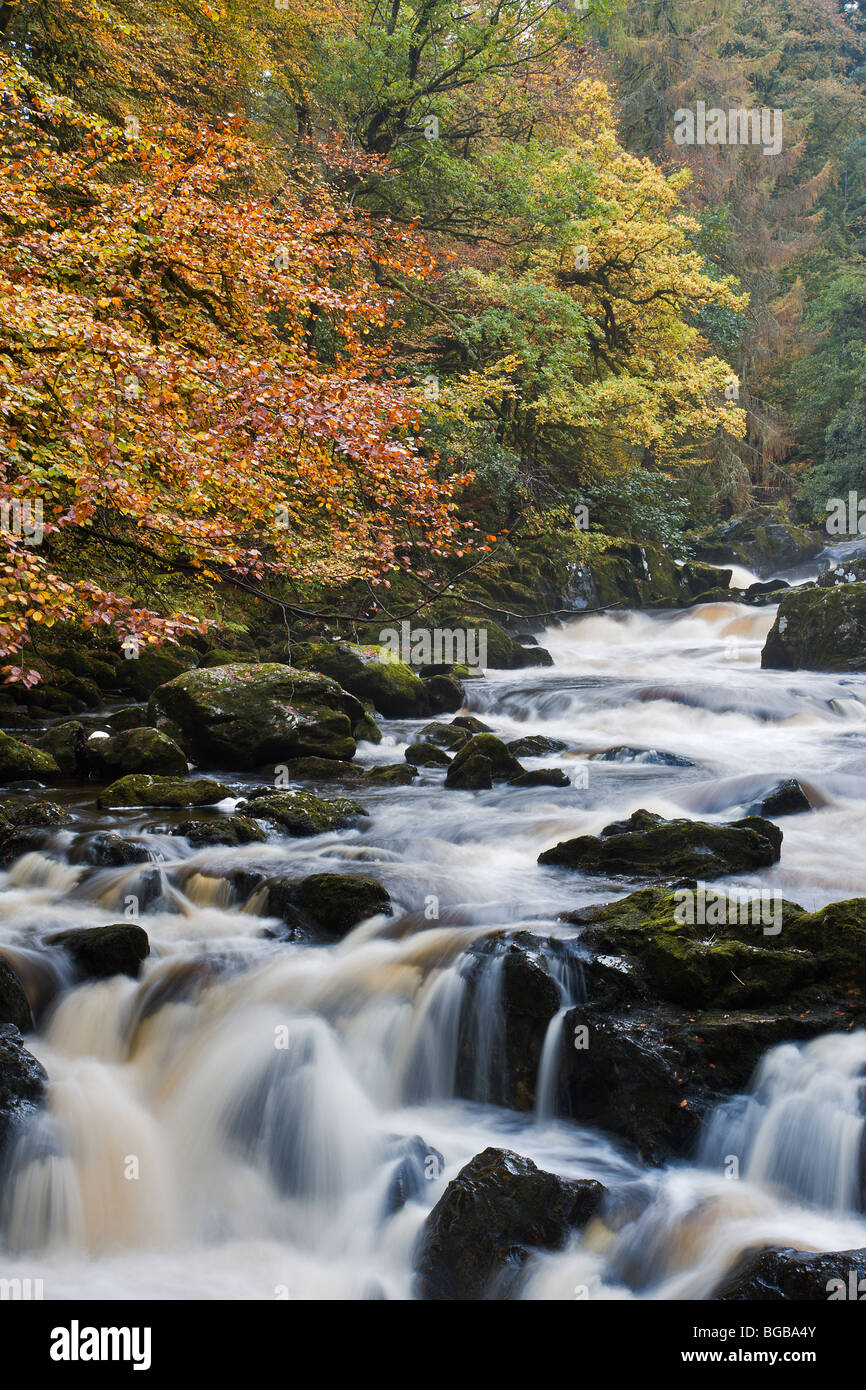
[231, 1125]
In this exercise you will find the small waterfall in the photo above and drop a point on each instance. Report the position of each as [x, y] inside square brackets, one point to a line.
[801, 1129]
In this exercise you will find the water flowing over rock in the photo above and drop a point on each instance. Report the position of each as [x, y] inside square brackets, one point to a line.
[648, 846]
[498, 1208]
[819, 629]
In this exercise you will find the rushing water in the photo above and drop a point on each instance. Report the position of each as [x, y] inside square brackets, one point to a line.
[254, 1119]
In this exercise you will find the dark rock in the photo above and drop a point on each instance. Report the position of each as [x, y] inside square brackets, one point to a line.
[152, 667]
[14, 1005]
[106, 849]
[135, 750]
[444, 693]
[778, 1274]
[468, 721]
[476, 774]
[300, 813]
[647, 846]
[247, 715]
[445, 735]
[498, 1208]
[535, 746]
[228, 830]
[426, 755]
[366, 730]
[65, 743]
[390, 775]
[325, 905]
[650, 757]
[22, 1084]
[417, 1164]
[370, 673]
[526, 1000]
[321, 769]
[100, 952]
[542, 777]
[764, 540]
[503, 765]
[787, 799]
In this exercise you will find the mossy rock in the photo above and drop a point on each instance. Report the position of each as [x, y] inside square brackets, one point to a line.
[648, 846]
[367, 730]
[321, 769]
[338, 902]
[300, 813]
[445, 735]
[390, 775]
[66, 745]
[542, 777]
[819, 629]
[504, 767]
[141, 789]
[100, 952]
[475, 774]
[135, 750]
[535, 746]
[764, 540]
[369, 673]
[250, 714]
[19, 761]
[227, 830]
[426, 755]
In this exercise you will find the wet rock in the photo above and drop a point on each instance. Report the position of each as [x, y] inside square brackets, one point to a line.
[100, 952]
[760, 590]
[17, 841]
[787, 799]
[107, 849]
[503, 765]
[647, 846]
[140, 789]
[630, 575]
[650, 757]
[321, 769]
[132, 717]
[844, 572]
[66, 745]
[14, 1005]
[620, 1075]
[786, 1274]
[22, 1084]
[475, 774]
[326, 905]
[135, 750]
[370, 673]
[366, 730]
[468, 721]
[45, 814]
[426, 755]
[390, 775]
[18, 760]
[542, 777]
[445, 735]
[300, 813]
[228, 830]
[535, 746]
[444, 693]
[417, 1165]
[498, 1209]
[818, 629]
[247, 715]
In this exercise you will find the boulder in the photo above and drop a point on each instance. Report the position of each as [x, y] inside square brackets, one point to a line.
[444, 693]
[370, 673]
[300, 813]
[22, 1085]
[820, 629]
[475, 774]
[140, 789]
[535, 746]
[135, 750]
[366, 730]
[228, 830]
[326, 905]
[426, 755]
[784, 1274]
[18, 761]
[648, 846]
[503, 765]
[142, 674]
[246, 715]
[390, 775]
[445, 735]
[66, 745]
[321, 769]
[14, 1005]
[542, 777]
[468, 721]
[649, 757]
[100, 952]
[498, 1209]
[787, 799]
[106, 849]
